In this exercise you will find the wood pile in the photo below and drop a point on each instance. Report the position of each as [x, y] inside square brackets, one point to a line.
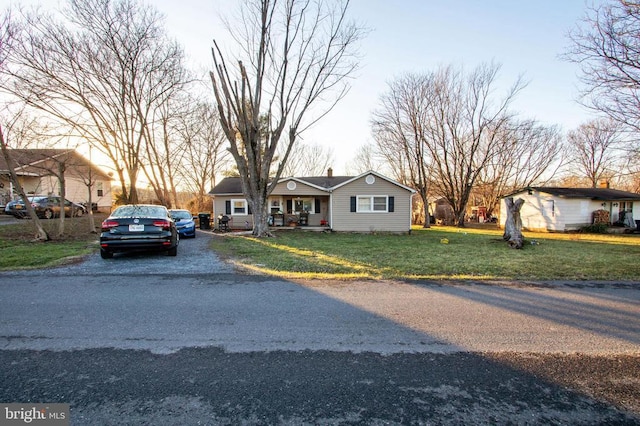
[601, 216]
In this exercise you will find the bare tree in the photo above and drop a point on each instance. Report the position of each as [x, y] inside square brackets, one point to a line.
[204, 153]
[367, 158]
[464, 130]
[102, 70]
[399, 128]
[444, 129]
[593, 147]
[41, 234]
[607, 48]
[8, 34]
[308, 159]
[162, 149]
[531, 154]
[293, 55]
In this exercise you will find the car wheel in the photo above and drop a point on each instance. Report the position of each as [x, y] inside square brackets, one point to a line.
[105, 254]
[79, 212]
[173, 251]
[48, 214]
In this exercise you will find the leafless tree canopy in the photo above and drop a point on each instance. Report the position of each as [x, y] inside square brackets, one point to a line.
[291, 66]
[531, 154]
[308, 159]
[202, 150]
[400, 129]
[8, 35]
[106, 69]
[594, 150]
[607, 47]
[448, 134]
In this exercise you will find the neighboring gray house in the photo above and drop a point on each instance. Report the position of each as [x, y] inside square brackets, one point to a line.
[369, 202]
[568, 209]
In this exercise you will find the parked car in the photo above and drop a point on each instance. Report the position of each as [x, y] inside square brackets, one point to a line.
[138, 227]
[46, 207]
[184, 222]
[10, 209]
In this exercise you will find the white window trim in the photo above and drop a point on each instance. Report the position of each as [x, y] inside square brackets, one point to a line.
[371, 198]
[244, 202]
[313, 205]
[279, 206]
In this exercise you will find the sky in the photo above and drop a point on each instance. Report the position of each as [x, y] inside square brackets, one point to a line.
[526, 37]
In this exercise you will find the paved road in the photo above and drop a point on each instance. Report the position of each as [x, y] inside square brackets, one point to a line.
[124, 341]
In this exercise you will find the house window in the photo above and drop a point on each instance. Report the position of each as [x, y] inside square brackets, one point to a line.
[372, 204]
[100, 189]
[304, 205]
[275, 205]
[239, 207]
[626, 206]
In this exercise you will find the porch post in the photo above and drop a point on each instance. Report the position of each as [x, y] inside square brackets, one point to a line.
[330, 223]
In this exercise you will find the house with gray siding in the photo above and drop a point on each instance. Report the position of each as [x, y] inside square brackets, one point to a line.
[369, 202]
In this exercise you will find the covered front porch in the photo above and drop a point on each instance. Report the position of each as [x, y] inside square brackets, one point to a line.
[299, 211]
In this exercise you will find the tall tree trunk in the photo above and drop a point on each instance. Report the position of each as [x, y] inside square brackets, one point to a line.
[63, 195]
[513, 225]
[41, 234]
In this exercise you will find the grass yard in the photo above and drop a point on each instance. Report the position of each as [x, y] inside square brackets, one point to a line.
[437, 253]
[19, 251]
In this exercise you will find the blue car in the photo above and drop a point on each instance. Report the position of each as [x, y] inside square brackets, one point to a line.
[184, 222]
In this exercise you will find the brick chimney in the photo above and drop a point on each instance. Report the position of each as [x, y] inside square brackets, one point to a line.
[329, 172]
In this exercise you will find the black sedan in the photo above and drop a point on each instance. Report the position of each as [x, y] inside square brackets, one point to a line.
[138, 227]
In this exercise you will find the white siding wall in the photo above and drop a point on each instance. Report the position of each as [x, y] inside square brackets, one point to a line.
[542, 211]
[76, 191]
[345, 220]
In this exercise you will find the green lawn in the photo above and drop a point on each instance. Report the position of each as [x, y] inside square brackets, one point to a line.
[27, 255]
[18, 250]
[437, 253]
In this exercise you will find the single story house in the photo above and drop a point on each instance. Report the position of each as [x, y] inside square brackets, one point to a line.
[37, 171]
[369, 202]
[566, 209]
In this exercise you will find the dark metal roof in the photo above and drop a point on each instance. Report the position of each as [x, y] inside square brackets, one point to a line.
[228, 185]
[325, 181]
[591, 193]
[232, 185]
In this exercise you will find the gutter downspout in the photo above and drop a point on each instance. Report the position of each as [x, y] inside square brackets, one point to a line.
[411, 210]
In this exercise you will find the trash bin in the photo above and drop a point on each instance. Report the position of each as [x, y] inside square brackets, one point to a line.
[205, 220]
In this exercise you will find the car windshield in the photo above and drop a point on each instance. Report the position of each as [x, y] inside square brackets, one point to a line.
[180, 214]
[140, 211]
